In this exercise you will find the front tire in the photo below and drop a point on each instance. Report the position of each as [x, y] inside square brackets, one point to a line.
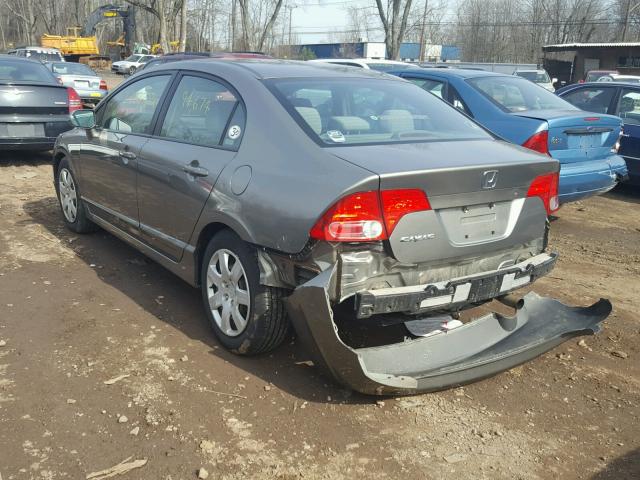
[132, 70]
[246, 317]
[74, 211]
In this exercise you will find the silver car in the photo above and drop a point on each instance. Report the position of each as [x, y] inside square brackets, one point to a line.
[355, 206]
[89, 86]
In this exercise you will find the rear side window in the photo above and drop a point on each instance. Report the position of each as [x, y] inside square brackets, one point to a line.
[629, 107]
[595, 99]
[131, 110]
[199, 113]
[432, 86]
[23, 71]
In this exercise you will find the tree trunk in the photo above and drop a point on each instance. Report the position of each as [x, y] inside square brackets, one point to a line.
[183, 27]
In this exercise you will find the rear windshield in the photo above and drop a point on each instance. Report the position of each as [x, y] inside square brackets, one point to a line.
[388, 67]
[537, 77]
[68, 68]
[514, 94]
[42, 56]
[370, 111]
[24, 71]
[594, 76]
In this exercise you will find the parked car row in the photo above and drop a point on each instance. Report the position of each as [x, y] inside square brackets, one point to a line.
[322, 197]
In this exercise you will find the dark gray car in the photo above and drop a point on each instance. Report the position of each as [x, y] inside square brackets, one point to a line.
[34, 108]
[372, 212]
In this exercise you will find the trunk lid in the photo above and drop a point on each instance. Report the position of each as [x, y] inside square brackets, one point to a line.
[33, 99]
[81, 82]
[576, 136]
[477, 191]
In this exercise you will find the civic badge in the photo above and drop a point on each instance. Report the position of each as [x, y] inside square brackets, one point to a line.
[489, 179]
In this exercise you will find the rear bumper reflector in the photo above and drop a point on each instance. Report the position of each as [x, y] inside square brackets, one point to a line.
[453, 293]
[479, 349]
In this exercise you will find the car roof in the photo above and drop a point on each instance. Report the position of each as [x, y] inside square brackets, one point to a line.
[457, 72]
[600, 84]
[359, 60]
[4, 56]
[40, 49]
[273, 68]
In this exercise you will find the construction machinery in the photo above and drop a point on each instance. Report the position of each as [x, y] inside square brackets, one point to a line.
[80, 44]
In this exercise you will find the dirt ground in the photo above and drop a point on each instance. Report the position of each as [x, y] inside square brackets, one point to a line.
[106, 356]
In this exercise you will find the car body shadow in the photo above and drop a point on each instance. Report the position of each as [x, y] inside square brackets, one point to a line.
[625, 467]
[23, 158]
[142, 280]
[626, 193]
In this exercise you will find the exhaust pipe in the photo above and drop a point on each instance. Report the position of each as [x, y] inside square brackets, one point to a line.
[512, 301]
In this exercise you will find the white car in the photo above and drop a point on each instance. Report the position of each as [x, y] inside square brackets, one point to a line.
[44, 54]
[541, 77]
[619, 78]
[380, 65]
[131, 64]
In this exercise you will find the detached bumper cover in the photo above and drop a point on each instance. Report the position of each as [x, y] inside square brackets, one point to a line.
[477, 350]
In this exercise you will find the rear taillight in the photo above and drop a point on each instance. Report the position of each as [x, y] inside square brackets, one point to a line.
[103, 85]
[75, 103]
[368, 216]
[546, 187]
[538, 142]
[397, 203]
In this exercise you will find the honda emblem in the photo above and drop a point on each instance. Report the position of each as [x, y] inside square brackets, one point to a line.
[489, 179]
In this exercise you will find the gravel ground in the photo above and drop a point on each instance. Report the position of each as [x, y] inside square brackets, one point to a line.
[106, 357]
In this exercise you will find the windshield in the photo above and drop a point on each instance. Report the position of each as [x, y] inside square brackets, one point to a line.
[515, 94]
[536, 77]
[371, 111]
[24, 71]
[133, 58]
[69, 68]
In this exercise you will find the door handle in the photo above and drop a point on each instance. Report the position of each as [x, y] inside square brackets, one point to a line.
[128, 155]
[195, 169]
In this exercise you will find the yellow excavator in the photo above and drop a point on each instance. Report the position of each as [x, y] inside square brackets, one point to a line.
[80, 44]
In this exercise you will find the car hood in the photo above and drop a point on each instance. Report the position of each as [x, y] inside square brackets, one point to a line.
[122, 63]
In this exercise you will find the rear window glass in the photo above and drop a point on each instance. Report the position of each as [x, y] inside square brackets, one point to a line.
[591, 99]
[24, 71]
[370, 111]
[42, 56]
[514, 94]
[537, 77]
[68, 68]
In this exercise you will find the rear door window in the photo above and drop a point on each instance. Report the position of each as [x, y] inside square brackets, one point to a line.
[629, 106]
[200, 113]
[591, 99]
[132, 109]
[436, 87]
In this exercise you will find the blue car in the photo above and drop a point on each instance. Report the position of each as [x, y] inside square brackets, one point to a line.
[526, 114]
[614, 98]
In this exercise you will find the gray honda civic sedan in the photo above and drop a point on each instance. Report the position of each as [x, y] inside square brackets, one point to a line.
[364, 212]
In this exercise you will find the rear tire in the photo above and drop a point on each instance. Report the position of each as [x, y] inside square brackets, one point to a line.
[74, 211]
[246, 317]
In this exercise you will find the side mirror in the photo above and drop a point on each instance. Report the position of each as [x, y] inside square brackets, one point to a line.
[83, 119]
[554, 80]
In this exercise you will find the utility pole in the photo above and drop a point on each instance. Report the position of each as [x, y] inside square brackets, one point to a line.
[233, 25]
[290, 7]
[423, 29]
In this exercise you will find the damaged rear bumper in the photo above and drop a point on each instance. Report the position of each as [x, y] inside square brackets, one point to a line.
[476, 350]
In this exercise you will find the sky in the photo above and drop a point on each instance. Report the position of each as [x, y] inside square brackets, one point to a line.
[313, 19]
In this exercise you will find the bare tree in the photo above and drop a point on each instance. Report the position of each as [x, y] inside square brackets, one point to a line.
[394, 22]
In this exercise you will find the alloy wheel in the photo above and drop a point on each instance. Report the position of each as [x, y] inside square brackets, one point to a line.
[68, 195]
[228, 292]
